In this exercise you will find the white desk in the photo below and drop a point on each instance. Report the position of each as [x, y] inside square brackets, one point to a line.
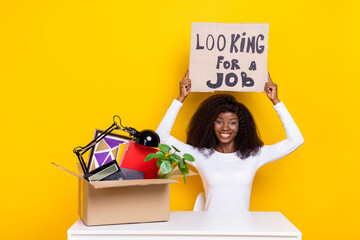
[195, 225]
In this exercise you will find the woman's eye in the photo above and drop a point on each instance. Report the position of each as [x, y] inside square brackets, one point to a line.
[233, 123]
[219, 122]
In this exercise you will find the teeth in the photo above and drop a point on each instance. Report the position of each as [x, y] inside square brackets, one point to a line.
[224, 135]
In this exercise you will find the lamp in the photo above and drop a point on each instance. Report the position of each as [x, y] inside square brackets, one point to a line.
[146, 137]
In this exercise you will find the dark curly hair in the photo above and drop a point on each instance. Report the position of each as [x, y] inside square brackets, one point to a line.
[201, 135]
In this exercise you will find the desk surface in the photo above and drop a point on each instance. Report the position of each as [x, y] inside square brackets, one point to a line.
[200, 224]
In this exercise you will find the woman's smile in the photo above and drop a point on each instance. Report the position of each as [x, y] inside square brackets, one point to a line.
[225, 135]
[226, 127]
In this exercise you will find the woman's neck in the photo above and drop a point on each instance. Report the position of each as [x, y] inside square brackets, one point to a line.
[225, 147]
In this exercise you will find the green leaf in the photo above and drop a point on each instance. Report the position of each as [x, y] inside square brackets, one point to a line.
[149, 157]
[182, 164]
[184, 170]
[184, 179]
[158, 162]
[158, 154]
[189, 157]
[165, 167]
[175, 157]
[177, 150]
[164, 148]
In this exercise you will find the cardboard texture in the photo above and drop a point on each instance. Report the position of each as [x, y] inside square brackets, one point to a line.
[228, 57]
[124, 201]
[101, 204]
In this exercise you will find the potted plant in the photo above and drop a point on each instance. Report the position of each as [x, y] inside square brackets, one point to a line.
[168, 161]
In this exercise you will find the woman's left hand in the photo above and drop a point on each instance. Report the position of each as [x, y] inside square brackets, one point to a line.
[271, 90]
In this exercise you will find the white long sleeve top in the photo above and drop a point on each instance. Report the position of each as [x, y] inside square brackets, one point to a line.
[226, 177]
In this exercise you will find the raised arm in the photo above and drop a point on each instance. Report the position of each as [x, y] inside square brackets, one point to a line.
[167, 122]
[271, 91]
[294, 138]
[185, 87]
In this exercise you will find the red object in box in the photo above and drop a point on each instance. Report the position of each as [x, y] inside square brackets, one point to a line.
[134, 159]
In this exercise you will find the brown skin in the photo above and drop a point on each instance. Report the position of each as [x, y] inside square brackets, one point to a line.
[226, 124]
[271, 91]
[226, 127]
[185, 87]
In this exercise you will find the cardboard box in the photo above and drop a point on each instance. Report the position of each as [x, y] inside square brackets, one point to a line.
[124, 201]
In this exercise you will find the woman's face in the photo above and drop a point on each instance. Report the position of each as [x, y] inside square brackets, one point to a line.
[226, 127]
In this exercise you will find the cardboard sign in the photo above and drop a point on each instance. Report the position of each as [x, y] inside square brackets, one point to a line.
[228, 57]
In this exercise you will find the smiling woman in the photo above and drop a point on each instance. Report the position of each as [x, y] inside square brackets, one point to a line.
[226, 128]
[213, 124]
[222, 137]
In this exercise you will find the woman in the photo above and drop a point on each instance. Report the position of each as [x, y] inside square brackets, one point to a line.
[223, 139]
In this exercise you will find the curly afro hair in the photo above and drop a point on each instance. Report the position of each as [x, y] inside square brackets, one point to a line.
[201, 135]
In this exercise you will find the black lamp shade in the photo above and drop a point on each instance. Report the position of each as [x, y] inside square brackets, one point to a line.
[148, 138]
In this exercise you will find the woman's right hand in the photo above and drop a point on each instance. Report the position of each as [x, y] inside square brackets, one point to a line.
[271, 90]
[185, 87]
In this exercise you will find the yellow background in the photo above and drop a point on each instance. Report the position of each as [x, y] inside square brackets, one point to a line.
[66, 67]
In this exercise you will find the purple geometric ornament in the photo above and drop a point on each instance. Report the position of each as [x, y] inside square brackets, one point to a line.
[101, 157]
[108, 159]
[112, 142]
